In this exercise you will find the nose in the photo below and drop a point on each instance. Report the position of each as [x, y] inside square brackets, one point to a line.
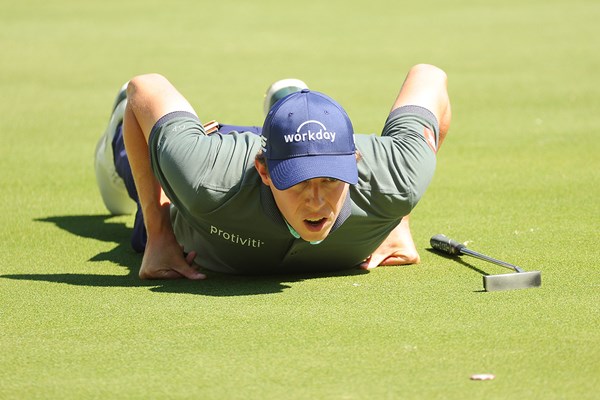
[314, 196]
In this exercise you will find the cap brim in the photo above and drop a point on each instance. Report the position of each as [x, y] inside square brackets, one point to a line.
[289, 172]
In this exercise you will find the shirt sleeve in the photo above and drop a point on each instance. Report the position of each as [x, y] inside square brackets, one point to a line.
[396, 167]
[199, 172]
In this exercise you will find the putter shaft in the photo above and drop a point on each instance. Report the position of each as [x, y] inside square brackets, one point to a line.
[475, 254]
[519, 280]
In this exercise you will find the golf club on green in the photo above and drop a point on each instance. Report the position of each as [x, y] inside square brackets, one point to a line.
[518, 280]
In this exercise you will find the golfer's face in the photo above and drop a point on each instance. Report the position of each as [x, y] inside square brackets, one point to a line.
[311, 207]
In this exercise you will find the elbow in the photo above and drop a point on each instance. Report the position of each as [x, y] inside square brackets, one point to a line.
[142, 85]
[430, 70]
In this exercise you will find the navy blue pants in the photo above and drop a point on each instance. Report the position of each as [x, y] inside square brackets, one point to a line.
[139, 236]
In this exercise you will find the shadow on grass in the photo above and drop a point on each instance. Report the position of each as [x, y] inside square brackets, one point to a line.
[460, 261]
[457, 259]
[99, 227]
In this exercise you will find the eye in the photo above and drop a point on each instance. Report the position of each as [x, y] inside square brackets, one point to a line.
[331, 180]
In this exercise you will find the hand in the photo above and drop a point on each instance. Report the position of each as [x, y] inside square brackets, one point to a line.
[397, 249]
[164, 259]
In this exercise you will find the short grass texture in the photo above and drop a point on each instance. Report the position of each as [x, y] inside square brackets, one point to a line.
[518, 179]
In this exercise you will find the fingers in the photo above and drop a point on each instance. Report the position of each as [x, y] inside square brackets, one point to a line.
[375, 261]
[192, 271]
[166, 274]
[364, 265]
[174, 273]
[189, 272]
[189, 258]
[393, 260]
[164, 258]
[182, 269]
[372, 262]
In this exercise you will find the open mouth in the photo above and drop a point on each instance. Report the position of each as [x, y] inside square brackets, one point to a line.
[315, 224]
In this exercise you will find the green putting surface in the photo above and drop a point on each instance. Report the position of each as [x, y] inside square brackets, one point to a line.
[518, 179]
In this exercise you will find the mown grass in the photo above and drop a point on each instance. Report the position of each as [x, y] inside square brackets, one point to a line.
[517, 178]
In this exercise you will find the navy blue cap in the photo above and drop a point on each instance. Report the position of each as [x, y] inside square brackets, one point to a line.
[308, 135]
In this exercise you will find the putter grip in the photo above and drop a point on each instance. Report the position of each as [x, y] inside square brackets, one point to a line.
[442, 243]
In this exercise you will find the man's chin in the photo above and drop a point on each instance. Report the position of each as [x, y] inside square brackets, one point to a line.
[315, 236]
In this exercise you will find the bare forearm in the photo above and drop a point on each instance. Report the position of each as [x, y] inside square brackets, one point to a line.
[444, 122]
[149, 98]
[155, 206]
[427, 86]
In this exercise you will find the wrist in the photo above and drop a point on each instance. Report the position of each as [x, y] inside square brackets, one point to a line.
[158, 220]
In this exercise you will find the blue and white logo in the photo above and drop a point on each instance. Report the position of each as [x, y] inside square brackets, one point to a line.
[304, 135]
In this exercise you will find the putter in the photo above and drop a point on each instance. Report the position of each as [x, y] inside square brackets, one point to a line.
[491, 283]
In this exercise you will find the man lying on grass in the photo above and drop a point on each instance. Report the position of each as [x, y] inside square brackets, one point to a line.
[301, 193]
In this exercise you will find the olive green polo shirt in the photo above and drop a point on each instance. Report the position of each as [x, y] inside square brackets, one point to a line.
[223, 211]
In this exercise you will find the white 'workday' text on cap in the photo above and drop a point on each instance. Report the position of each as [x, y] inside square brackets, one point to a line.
[308, 135]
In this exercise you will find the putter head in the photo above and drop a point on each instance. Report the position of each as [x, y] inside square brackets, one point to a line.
[517, 280]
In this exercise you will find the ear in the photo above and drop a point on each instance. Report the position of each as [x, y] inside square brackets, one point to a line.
[262, 171]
